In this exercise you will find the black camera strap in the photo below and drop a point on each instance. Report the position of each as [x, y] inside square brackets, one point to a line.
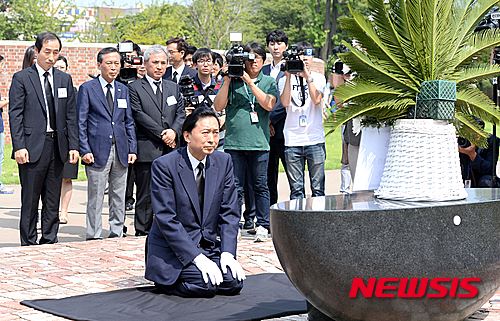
[302, 90]
[206, 93]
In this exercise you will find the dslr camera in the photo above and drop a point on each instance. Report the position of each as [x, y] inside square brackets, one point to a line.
[293, 64]
[128, 74]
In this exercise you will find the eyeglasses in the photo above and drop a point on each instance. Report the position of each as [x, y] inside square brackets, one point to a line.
[172, 51]
[203, 61]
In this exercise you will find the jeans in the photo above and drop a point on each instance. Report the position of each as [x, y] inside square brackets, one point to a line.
[256, 163]
[296, 157]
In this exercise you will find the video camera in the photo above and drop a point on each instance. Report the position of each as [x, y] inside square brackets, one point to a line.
[128, 74]
[293, 64]
[236, 57]
[186, 84]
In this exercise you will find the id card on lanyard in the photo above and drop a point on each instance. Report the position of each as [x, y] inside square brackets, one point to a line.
[254, 117]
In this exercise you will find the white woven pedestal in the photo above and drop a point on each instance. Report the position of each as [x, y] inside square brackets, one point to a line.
[422, 163]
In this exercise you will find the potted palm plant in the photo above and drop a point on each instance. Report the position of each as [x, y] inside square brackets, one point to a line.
[415, 64]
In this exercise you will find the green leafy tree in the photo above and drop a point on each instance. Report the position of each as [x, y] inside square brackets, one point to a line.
[211, 21]
[26, 18]
[152, 26]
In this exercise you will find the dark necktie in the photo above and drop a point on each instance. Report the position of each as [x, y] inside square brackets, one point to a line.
[109, 98]
[158, 92]
[50, 101]
[200, 183]
[174, 76]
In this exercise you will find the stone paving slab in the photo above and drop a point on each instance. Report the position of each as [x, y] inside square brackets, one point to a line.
[74, 268]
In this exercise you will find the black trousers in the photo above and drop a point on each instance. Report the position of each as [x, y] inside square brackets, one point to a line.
[250, 210]
[41, 179]
[129, 193]
[143, 209]
[276, 152]
[190, 283]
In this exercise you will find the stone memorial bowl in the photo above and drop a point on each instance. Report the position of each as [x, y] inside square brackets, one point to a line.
[323, 243]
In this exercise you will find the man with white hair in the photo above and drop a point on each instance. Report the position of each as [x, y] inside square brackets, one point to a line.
[158, 111]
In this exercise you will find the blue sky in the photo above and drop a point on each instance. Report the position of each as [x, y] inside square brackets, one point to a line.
[118, 3]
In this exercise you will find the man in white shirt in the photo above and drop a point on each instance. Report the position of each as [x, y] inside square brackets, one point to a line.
[301, 95]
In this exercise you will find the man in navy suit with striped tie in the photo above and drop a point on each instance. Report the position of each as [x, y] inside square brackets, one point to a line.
[107, 142]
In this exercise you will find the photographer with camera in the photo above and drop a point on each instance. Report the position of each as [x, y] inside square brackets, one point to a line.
[477, 163]
[248, 101]
[176, 49]
[158, 110]
[301, 94]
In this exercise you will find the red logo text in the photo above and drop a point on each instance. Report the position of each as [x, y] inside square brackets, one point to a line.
[411, 288]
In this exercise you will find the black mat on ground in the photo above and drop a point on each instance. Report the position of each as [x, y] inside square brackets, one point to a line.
[263, 296]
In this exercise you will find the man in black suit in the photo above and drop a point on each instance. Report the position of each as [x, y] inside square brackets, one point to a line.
[177, 48]
[44, 134]
[158, 110]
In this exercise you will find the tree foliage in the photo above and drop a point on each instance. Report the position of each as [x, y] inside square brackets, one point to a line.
[152, 26]
[211, 22]
[26, 18]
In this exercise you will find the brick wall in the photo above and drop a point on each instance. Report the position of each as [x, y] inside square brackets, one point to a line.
[81, 59]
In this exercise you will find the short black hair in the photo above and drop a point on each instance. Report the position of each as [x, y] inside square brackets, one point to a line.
[197, 114]
[302, 45]
[182, 45]
[190, 50]
[63, 59]
[276, 36]
[41, 38]
[256, 48]
[202, 53]
[218, 59]
[105, 51]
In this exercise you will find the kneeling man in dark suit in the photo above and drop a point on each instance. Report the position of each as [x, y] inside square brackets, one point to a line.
[191, 247]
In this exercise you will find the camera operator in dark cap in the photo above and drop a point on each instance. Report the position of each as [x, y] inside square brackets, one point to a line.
[477, 163]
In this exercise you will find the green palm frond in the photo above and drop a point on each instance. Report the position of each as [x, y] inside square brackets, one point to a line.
[476, 73]
[480, 41]
[473, 101]
[364, 65]
[371, 42]
[389, 41]
[476, 10]
[402, 29]
[468, 128]
[353, 90]
[395, 106]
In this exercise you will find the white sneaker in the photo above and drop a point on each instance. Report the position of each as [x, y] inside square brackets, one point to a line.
[261, 234]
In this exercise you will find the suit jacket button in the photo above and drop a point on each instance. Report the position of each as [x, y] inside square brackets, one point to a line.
[112, 123]
[198, 246]
[110, 136]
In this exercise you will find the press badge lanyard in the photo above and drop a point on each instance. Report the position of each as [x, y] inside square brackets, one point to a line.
[254, 117]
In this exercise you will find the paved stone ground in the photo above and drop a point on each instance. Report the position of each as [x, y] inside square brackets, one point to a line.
[75, 267]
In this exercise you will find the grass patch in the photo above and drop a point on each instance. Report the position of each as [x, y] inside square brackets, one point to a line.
[10, 171]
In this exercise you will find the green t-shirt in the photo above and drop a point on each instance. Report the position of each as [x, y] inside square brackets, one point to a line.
[241, 133]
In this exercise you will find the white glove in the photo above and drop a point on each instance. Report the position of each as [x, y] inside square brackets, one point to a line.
[227, 260]
[208, 269]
